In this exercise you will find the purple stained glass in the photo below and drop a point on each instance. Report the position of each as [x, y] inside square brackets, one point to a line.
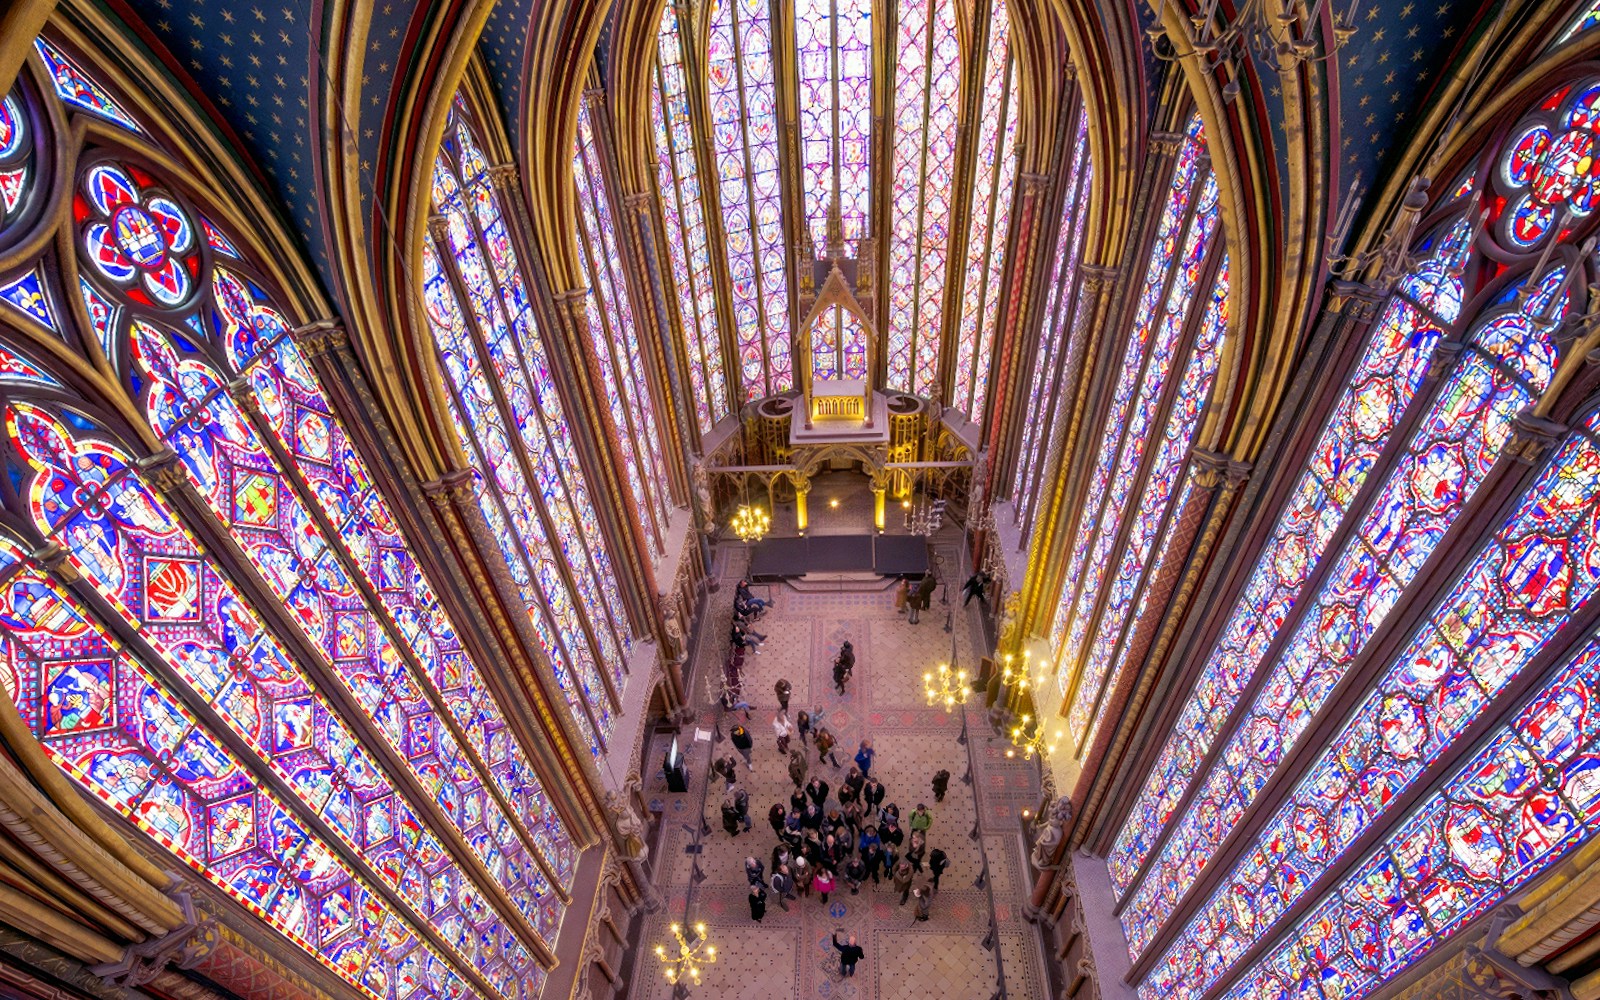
[1060, 345]
[1508, 814]
[1150, 513]
[995, 174]
[127, 544]
[1507, 363]
[1382, 384]
[684, 214]
[1180, 252]
[615, 341]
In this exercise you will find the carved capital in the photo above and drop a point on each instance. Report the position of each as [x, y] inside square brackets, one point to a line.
[163, 470]
[1356, 298]
[595, 98]
[574, 308]
[1034, 184]
[1532, 436]
[184, 948]
[503, 176]
[1212, 469]
[639, 202]
[1166, 143]
[453, 489]
[1444, 357]
[243, 395]
[439, 228]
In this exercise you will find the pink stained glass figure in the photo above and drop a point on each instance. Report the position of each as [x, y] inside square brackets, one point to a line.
[1505, 366]
[994, 176]
[1381, 385]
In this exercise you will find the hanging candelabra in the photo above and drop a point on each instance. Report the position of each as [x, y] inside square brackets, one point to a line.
[683, 969]
[750, 523]
[952, 689]
[1028, 736]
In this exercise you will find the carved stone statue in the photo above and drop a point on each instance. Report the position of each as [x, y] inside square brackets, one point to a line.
[679, 650]
[630, 826]
[702, 494]
[1051, 832]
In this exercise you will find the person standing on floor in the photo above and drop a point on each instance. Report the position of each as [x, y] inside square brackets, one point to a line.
[938, 861]
[730, 815]
[922, 596]
[849, 953]
[872, 794]
[802, 723]
[745, 744]
[728, 767]
[803, 875]
[776, 817]
[758, 902]
[923, 906]
[798, 766]
[921, 819]
[741, 803]
[872, 857]
[902, 880]
[782, 689]
[782, 885]
[941, 784]
[754, 871]
[850, 787]
[817, 791]
[783, 729]
[864, 755]
[825, 743]
[852, 815]
[855, 873]
[918, 848]
[823, 881]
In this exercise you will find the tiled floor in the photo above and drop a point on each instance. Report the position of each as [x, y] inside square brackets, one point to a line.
[789, 953]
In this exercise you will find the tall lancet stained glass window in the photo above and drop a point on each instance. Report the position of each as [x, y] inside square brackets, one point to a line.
[927, 88]
[531, 487]
[833, 49]
[265, 682]
[994, 176]
[744, 135]
[1061, 342]
[1163, 357]
[1515, 807]
[683, 209]
[616, 341]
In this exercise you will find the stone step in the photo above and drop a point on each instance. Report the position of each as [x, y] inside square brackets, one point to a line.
[840, 583]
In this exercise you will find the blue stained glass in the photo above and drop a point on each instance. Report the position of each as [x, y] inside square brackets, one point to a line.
[27, 293]
[78, 89]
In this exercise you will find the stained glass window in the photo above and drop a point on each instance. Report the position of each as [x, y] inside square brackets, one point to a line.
[1183, 239]
[16, 157]
[1507, 814]
[532, 488]
[744, 130]
[118, 728]
[616, 341]
[1381, 385]
[79, 89]
[331, 757]
[1587, 17]
[996, 170]
[1504, 368]
[927, 87]
[833, 49]
[1061, 339]
[683, 210]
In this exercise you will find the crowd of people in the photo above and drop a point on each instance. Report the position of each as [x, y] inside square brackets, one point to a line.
[829, 839]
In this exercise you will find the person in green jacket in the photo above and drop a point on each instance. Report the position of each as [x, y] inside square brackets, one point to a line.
[921, 819]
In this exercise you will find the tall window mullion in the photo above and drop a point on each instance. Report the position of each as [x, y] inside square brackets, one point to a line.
[507, 501]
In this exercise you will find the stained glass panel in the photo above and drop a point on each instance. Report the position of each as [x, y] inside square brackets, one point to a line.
[995, 174]
[1382, 384]
[1513, 810]
[616, 341]
[1180, 249]
[75, 87]
[683, 209]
